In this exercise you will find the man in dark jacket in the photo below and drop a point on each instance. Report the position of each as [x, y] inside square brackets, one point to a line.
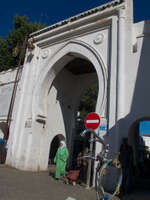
[126, 159]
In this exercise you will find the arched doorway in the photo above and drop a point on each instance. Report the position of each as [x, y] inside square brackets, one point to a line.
[3, 130]
[75, 67]
[66, 97]
[141, 153]
[3, 142]
[54, 146]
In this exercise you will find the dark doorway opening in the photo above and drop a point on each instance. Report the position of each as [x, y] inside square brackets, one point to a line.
[3, 142]
[54, 146]
[141, 157]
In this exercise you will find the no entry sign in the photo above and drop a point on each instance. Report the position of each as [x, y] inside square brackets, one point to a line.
[92, 121]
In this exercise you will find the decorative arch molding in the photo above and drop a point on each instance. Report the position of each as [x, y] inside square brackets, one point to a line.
[56, 63]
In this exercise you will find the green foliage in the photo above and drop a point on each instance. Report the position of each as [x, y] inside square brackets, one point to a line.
[16, 36]
[22, 28]
[88, 101]
[6, 59]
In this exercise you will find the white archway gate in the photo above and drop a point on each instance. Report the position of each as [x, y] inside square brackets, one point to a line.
[48, 94]
[53, 103]
[62, 91]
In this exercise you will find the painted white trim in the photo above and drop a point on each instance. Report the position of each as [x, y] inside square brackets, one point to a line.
[92, 121]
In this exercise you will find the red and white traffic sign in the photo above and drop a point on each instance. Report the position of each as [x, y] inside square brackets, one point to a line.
[92, 121]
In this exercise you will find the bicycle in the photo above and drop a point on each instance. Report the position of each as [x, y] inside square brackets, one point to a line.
[105, 166]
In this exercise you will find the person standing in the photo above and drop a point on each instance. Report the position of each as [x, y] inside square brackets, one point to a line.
[60, 160]
[126, 160]
[82, 164]
[2, 151]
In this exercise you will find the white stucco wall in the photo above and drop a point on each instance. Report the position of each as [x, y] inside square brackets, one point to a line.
[29, 110]
[29, 140]
[7, 79]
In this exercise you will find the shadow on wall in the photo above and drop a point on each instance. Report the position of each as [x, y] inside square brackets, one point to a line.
[141, 97]
[140, 105]
[133, 137]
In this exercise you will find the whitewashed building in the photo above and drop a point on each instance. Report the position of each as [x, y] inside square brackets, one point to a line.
[102, 45]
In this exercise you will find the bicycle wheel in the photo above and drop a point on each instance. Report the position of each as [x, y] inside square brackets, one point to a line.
[99, 188]
[108, 181]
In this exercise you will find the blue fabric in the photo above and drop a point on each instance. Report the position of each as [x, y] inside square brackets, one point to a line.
[1, 140]
[106, 197]
[107, 162]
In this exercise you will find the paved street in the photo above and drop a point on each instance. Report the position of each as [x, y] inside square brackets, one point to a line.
[21, 185]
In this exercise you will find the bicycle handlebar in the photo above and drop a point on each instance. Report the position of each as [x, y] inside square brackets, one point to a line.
[98, 138]
[89, 156]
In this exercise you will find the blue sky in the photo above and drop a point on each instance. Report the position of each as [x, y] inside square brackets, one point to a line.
[50, 12]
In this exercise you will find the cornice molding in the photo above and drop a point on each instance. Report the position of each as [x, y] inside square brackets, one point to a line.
[77, 20]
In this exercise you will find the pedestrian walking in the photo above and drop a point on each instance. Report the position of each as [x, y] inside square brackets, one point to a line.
[2, 151]
[61, 160]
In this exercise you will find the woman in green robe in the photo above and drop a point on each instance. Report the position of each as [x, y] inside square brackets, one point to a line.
[61, 159]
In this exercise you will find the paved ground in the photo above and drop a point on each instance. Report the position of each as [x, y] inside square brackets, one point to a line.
[21, 185]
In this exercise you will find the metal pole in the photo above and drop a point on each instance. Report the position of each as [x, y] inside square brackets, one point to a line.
[9, 116]
[89, 165]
